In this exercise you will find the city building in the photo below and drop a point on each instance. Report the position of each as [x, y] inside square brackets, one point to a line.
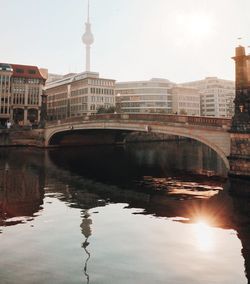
[185, 100]
[21, 89]
[152, 96]
[6, 72]
[217, 96]
[156, 96]
[78, 95]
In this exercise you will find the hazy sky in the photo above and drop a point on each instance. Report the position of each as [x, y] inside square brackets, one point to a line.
[181, 40]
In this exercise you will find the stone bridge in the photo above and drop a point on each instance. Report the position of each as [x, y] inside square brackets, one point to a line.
[208, 130]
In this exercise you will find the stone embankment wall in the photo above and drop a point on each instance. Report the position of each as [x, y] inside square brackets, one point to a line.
[11, 137]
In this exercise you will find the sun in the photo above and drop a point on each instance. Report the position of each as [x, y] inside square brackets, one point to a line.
[196, 25]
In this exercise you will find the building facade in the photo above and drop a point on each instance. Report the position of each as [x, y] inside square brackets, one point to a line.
[217, 96]
[21, 89]
[6, 72]
[185, 101]
[151, 96]
[77, 95]
[156, 96]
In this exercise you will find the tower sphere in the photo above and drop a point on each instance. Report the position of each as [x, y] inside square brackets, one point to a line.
[87, 37]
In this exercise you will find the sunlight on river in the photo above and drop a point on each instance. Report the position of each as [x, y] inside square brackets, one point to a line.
[204, 236]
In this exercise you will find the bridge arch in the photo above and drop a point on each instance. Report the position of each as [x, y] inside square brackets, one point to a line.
[217, 138]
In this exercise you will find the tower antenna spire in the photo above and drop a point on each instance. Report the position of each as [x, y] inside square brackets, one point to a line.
[88, 40]
[88, 11]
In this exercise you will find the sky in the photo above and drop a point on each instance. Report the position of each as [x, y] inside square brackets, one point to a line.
[180, 40]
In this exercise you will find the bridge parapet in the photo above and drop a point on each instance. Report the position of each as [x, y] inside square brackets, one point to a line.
[224, 123]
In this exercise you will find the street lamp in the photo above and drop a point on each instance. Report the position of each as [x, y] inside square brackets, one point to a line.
[118, 103]
[43, 113]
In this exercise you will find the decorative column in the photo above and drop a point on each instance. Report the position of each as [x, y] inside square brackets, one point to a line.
[240, 131]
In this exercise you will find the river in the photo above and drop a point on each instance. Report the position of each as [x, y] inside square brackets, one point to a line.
[140, 213]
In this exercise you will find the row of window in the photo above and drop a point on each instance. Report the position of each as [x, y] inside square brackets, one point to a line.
[98, 82]
[102, 99]
[76, 108]
[25, 80]
[148, 104]
[100, 91]
[162, 98]
[188, 98]
[143, 91]
[79, 92]
[57, 103]
[4, 90]
[21, 71]
[188, 105]
[4, 79]
[4, 110]
[58, 96]
[79, 100]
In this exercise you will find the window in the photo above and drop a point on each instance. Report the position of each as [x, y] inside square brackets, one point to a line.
[32, 71]
[18, 70]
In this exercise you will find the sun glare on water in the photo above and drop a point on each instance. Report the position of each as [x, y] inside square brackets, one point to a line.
[204, 236]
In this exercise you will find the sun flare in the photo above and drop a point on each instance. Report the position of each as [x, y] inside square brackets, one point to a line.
[204, 236]
[196, 25]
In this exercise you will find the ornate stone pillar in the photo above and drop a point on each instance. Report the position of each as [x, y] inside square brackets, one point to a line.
[240, 131]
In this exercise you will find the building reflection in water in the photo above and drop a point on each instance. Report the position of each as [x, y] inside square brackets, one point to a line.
[21, 190]
[86, 231]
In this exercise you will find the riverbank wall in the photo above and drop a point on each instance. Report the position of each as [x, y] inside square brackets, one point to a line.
[20, 137]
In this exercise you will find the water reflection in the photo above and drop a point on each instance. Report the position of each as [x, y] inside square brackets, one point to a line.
[154, 184]
[240, 189]
[86, 231]
[21, 188]
[204, 236]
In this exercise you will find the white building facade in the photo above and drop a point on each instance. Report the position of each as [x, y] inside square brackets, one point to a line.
[78, 95]
[156, 96]
[186, 101]
[152, 96]
[217, 96]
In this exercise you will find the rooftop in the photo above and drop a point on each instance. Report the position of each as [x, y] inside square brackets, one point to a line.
[26, 71]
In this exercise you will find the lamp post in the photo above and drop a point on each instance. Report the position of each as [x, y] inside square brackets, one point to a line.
[118, 103]
[43, 114]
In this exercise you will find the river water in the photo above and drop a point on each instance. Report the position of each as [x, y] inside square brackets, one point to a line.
[140, 213]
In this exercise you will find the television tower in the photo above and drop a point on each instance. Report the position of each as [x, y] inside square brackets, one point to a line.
[88, 39]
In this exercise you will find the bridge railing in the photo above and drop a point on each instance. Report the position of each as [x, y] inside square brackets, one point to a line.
[157, 118]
